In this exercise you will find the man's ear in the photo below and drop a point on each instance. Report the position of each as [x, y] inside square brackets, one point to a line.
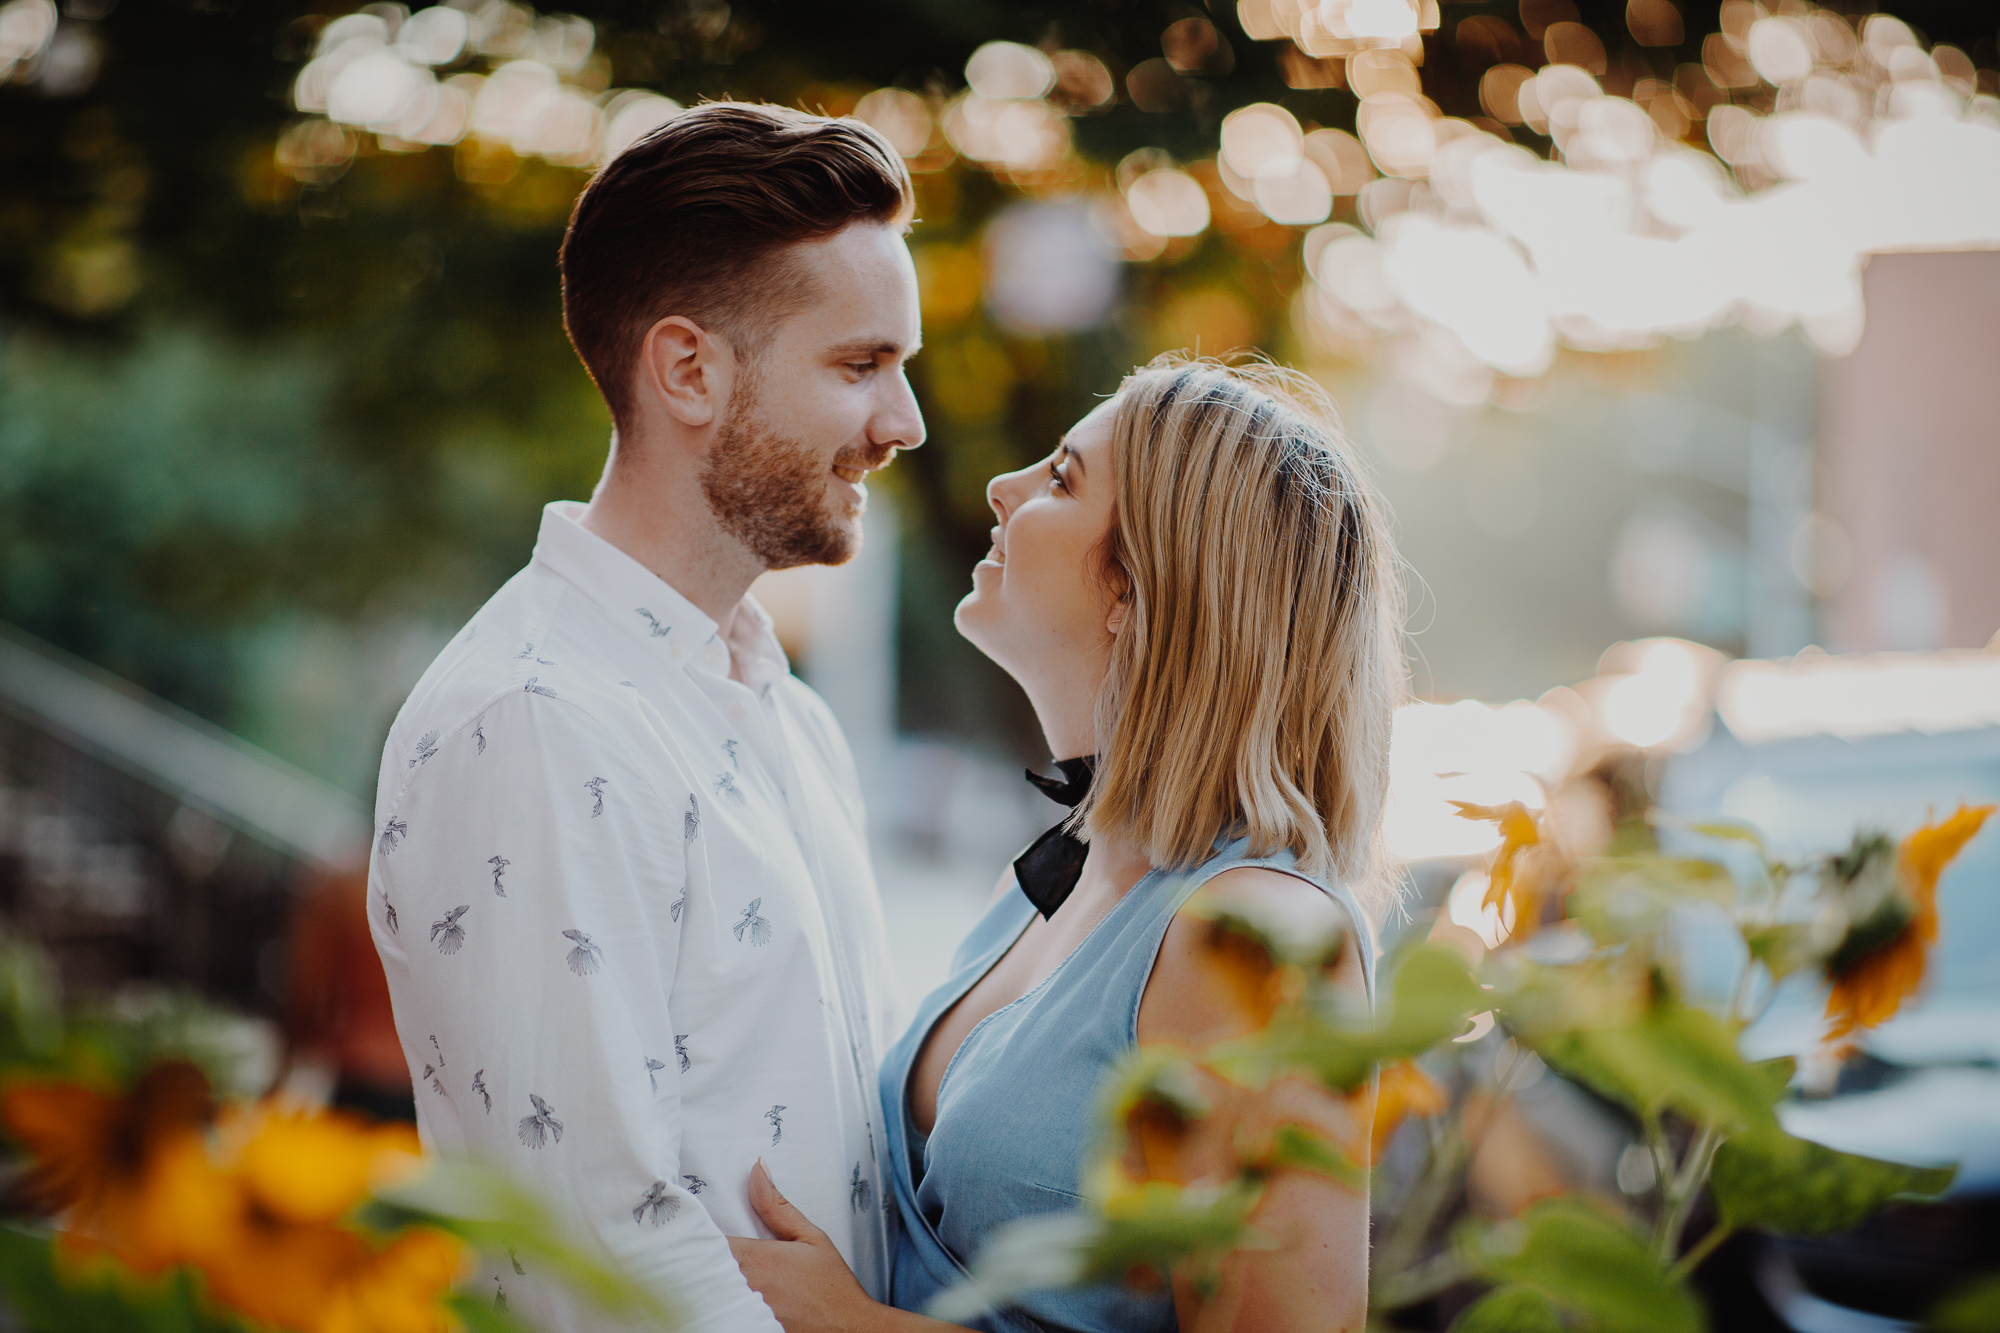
[684, 370]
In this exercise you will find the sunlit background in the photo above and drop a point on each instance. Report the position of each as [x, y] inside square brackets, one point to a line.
[1668, 329]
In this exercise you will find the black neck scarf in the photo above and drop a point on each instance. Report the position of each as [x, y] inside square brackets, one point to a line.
[1048, 870]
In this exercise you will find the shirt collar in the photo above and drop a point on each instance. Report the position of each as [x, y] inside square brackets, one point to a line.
[649, 607]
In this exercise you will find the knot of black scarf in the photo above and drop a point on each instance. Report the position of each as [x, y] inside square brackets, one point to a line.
[1048, 870]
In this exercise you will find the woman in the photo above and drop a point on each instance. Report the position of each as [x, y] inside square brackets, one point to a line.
[1196, 588]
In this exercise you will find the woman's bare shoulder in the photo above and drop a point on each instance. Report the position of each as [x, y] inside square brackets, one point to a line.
[1191, 1000]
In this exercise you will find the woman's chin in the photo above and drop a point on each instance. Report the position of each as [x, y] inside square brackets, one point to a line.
[967, 619]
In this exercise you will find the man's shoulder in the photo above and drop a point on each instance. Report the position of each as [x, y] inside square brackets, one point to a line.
[537, 641]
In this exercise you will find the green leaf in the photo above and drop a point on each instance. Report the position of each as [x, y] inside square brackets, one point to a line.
[45, 1296]
[1970, 1309]
[1154, 1228]
[1297, 1146]
[482, 1314]
[1783, 947]
[1729, 832]
[1616, 898]
[1586, 1263]
[1161, 1225]
[491, 1213]
[1800, 1188]
[1509, 1309]
[1432, 996]
[1676, 1056]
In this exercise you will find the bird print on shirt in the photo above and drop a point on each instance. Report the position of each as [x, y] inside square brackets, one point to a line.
[532, 688]
[426, 747]
[499, 864]
[725, 785]
[479, 1086]
[691, 819]
[776, 1115]
[586, 957]
[596, 788]
[527, 651]
[681, 1049]
[759, 928]
[479, 735]
[515, 1260]
[860, 1191]
[695, 1184]
[389, 916]
[654, 629]
[447, 934]
[393, 834]
[435, 1081]
[657, 1205]
[653, 1068]
[537, 1129]
[499, 1295]
[729, 748]
[674, 907]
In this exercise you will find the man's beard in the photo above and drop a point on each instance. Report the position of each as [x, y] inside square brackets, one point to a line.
[769, 492]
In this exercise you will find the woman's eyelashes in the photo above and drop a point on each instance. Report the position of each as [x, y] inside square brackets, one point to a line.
[1055, 473]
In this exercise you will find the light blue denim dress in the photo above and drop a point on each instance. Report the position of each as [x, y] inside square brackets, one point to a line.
[1016, 1112]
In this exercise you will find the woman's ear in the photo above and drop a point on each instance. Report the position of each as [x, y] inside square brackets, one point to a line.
[1116, 620]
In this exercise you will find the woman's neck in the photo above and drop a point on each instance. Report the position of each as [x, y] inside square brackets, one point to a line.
[1113, 866]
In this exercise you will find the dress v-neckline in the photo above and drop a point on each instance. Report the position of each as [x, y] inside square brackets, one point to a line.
[919, 1140]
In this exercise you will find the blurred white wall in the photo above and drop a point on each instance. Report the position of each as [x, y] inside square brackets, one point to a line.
[1910, 460]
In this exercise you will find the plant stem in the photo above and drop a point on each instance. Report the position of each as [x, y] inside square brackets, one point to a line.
[1433, 1190]
[1452, 1150]
[1701, 1249]
[1682, 1193]
[1663, 1160]
[1421, 1282]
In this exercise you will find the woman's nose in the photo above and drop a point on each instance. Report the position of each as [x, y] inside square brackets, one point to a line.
[1003, 492]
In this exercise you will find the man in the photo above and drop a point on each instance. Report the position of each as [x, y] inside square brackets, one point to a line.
[620, 886]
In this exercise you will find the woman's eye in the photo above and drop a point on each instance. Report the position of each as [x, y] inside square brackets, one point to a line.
[1056, 476]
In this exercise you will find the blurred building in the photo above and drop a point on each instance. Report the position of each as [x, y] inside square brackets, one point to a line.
[141, 844]
[1909, 441]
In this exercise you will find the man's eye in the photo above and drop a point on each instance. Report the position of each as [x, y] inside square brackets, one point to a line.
[861, 367]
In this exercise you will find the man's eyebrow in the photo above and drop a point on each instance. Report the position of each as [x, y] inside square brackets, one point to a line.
[873, 347]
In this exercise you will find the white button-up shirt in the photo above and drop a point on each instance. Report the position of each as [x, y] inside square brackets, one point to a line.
[634, 944]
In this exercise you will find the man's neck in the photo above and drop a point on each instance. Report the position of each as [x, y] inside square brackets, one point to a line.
[648, 510]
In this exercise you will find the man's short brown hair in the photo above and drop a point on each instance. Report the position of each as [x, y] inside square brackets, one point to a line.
[691, 220]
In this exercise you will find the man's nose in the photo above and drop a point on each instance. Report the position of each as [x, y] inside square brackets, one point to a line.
[900, 424]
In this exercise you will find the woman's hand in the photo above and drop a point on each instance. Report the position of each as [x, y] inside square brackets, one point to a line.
[800, 1275]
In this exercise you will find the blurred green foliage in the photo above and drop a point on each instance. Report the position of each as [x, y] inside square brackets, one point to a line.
[1619, 1018]
[227, 398]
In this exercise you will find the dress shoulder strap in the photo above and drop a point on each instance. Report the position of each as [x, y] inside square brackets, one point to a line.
[1236, 855]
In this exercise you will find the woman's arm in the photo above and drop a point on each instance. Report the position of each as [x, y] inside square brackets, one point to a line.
[1316, 1276]
[802, 1277]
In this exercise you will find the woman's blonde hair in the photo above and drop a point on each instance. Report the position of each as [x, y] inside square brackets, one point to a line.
[1252, 685]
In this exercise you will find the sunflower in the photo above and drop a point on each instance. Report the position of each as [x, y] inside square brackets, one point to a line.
[98, 1156]
[254, 1203]
[1868, 990]
[264, 1209]
[1523, 868]
[1404, 1090]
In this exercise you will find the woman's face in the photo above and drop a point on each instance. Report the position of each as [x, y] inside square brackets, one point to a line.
[1039, 602]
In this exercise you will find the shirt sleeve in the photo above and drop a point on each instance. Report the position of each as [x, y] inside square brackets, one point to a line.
[526, 903]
